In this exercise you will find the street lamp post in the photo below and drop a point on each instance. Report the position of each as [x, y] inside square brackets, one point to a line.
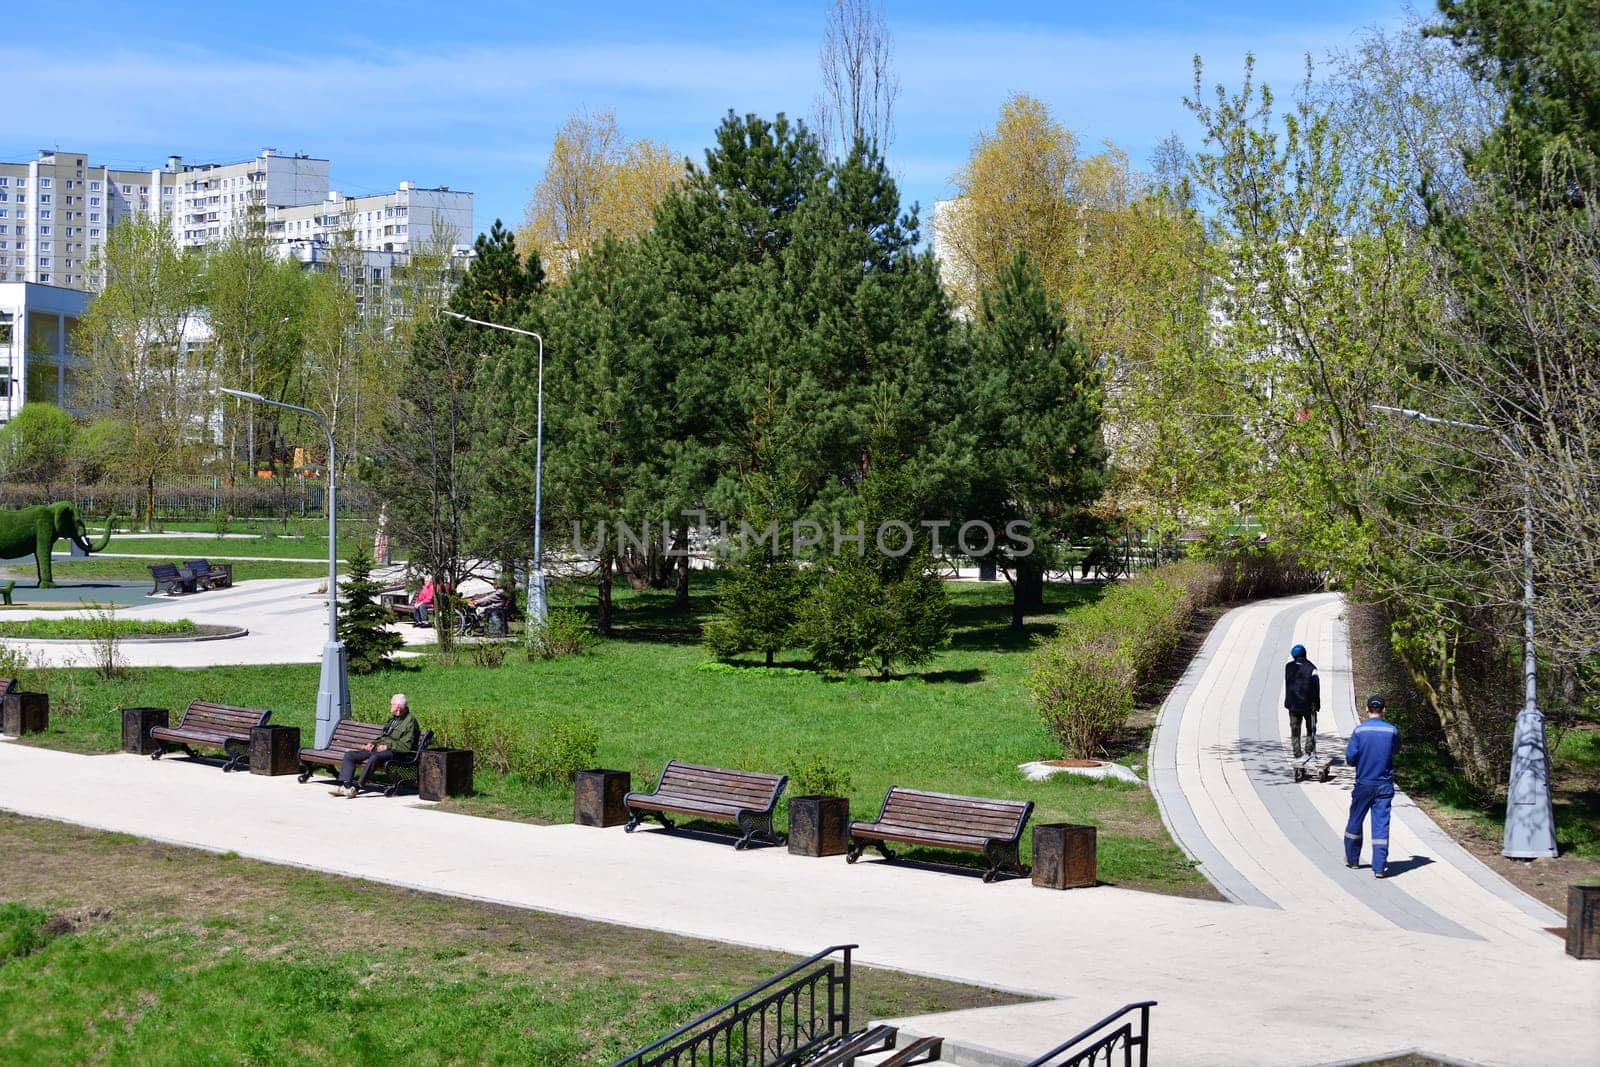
[538, 610]
[333, 691]
[1530, 819]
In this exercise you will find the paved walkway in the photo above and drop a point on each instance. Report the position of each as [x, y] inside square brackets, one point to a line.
[1311, 972]
[287, 620]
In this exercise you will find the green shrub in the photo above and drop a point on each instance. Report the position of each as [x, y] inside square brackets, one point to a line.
[1085, 681]
[560, 748]
[818, 777]
[565, 632]
[489, 653]
[1083, 685]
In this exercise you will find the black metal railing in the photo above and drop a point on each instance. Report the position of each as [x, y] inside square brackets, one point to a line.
[779, 1022]
[1100, 1043]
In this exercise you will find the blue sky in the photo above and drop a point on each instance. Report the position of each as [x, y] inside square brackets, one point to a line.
[470, 94]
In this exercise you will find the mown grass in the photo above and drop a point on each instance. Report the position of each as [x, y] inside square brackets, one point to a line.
[960, 725]
[179, 549]
[85, 629]
[69, 570]
[114, 950]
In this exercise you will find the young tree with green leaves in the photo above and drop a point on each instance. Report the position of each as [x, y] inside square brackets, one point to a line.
[144, 366]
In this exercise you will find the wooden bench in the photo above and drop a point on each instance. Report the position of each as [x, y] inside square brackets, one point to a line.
[207, 576]
[878, 1039]
[350, 735]
[168, 578]
[992, 828]
[745, 798]
[207, 725]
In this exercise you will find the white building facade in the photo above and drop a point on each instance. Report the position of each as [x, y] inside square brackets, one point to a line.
[36, 359]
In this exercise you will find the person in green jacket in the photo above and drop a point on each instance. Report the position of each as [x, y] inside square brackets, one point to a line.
[399, 737]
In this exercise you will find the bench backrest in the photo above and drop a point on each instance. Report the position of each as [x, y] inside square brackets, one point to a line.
[6, 685]
[348, 734]
[164, 570]
[748, 789]
[199, 566]
[978, 816]
[221, 718]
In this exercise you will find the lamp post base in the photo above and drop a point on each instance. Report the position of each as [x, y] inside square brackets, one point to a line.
[333, 692]
[1530, 821]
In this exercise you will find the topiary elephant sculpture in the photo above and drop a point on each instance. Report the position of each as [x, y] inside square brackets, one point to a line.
[36, 530]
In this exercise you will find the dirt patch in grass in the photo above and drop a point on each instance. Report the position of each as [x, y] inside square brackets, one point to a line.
[1577, 790]
[258, 910]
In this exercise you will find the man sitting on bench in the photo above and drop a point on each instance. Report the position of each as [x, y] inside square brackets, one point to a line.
[398, 738]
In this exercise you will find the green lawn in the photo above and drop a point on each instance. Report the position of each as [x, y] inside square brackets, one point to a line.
[120, 951]
[82, 629]
[221, 548]
[961, 725]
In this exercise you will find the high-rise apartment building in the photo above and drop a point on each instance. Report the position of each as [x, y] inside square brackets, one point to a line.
[213, 197]
[56, 210]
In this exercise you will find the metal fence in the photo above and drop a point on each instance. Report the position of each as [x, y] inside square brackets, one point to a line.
[780, 1022]
[201, 499]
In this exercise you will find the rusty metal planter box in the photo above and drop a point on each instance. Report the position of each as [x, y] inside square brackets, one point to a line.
[274, 749]
[1583, 922]
[1063, 856]
[819, 825]
[597, 797]
[24, 713]
[136, 726]
[445, 772]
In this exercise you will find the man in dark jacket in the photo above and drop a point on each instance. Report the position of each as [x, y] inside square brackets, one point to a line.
[1302, 696]
[399, 737]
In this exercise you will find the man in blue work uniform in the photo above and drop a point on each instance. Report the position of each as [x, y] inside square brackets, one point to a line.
[1371, 752]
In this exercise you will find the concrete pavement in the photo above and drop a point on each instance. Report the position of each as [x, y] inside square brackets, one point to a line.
[287, 620]
[1312, 970]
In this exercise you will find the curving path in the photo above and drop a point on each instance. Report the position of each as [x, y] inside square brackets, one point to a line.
[1219, 769]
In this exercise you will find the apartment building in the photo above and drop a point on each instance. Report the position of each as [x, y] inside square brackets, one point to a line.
[213, 198]
[56, 210]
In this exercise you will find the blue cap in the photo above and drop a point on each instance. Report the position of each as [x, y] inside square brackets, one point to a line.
[1297, 651]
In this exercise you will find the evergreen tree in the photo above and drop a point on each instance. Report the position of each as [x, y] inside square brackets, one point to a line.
[1036, 417]
[505, 288]
[759, 596]
[883, 606]
[363, 621]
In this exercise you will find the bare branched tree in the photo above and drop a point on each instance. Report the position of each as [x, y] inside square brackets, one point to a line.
[859, 86]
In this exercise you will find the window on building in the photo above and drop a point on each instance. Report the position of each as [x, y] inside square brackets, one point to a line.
[4, 182]
[93, 233]
[45, 277]
[22, 183]
[44, 198]
[44, 213]
[94, 187]
[44, 183]
[127, 189]
[44, 231]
